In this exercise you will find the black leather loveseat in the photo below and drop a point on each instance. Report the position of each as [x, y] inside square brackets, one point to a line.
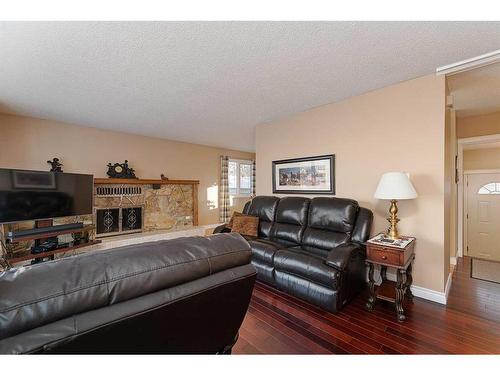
[187, 295]
[310, 248]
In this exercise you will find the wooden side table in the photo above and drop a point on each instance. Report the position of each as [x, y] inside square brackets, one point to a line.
[399, 258]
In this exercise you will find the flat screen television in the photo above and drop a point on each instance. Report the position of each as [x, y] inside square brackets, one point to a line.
[36, 195]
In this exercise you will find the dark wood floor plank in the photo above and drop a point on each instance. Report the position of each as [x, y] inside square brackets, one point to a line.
[318, 321]
[433, 327]
[371, 336]
[452, 344]
[472, 296]
[372, 331]
[280, 323]
[264, 341]
[242, 346]
[295, 346]
[378, 333]
[339, 341]
[470, 324]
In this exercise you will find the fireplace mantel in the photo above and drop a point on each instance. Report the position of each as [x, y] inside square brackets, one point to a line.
[140, 181]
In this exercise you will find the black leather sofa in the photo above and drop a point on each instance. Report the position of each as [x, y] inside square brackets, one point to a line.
[187, 295]
[310, 248]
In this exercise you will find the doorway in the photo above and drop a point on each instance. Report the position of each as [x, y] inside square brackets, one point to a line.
[467, 183]
[475, 286]
[482, 214]
[472, 203]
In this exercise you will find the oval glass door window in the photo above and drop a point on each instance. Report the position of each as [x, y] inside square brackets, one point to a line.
[489, 188]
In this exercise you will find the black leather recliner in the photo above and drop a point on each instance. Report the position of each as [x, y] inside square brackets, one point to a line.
[310, 248]
[187, 295]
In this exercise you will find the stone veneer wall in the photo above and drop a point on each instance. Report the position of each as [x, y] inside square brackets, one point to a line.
[169, 207]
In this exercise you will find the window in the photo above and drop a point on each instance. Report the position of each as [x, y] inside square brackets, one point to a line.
[240, 177]
[490, 188]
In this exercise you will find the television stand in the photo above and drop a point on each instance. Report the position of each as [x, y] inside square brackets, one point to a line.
[49, 230]
[45, 229]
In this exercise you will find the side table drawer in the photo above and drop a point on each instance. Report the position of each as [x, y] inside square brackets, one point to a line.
[384, 255]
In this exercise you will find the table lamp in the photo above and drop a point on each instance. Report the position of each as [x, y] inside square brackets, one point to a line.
[394, 186]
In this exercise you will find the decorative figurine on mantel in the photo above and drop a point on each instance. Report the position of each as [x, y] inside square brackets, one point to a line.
[55, 165]
[163, 177]
[122, 170]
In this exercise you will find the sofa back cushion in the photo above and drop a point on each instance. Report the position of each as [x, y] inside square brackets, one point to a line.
[330, 223]
[246, 208]
[290, 220]
[363, 225]
[33, 296]
[264, 207]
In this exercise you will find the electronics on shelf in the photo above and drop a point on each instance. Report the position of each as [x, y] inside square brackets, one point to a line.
[15, 235]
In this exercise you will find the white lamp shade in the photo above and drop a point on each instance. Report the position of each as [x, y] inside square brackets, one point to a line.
[395, 185]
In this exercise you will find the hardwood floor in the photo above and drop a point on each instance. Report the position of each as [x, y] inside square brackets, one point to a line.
[280, 324]
[473, 296]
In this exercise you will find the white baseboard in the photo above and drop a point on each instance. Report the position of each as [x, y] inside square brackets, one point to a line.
[428, 294]
[453, 261]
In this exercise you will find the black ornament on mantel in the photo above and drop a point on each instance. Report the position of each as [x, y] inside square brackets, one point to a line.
[55, 165]
[163, 177]
[122, 170]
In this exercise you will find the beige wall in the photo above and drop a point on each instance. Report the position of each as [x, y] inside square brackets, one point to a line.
[27, 143]
[484, 158]
[476, 126]
[401, 127]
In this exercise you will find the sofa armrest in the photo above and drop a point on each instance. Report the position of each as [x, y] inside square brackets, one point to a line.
[221, 229]
[340, 256]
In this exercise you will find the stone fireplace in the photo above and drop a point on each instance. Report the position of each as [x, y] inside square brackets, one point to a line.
[130, 206]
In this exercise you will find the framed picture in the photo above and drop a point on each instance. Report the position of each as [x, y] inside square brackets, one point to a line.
[311, 175]
[33, 180]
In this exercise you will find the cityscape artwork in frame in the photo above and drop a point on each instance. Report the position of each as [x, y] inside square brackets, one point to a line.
[311, 175]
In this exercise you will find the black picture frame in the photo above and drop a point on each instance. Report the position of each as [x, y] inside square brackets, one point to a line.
[330, 190]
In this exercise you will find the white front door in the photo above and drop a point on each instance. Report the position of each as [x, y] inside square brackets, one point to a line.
[483, 215]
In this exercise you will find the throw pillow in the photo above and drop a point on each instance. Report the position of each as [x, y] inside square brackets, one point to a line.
[247, 225]
[230, 224]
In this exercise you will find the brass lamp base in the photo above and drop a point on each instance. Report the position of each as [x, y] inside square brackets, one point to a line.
[392, 232]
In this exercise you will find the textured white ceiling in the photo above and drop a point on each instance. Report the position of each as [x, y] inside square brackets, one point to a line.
[212, 82]
[476, 92]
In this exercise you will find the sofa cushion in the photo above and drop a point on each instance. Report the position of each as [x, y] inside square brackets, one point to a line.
[317, 294]
[312, 250]
[330, 223]
[35, 295]
[246, 207]
[264, 207]
[307, 266]
[265, 271]
[291, 219]
[343, 254]
[322, 239]
[361, 231]
[264, 249]
[333, 214]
